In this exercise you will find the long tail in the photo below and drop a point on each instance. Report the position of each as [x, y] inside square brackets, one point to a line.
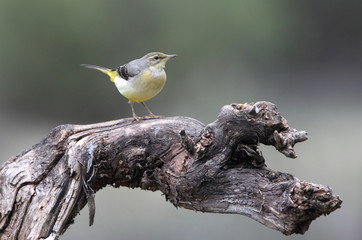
[112, 73]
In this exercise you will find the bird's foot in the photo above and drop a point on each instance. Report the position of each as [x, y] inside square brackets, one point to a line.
[151, 116]
[136, 118]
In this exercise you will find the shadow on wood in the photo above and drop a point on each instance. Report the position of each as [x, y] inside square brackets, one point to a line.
[213, 168]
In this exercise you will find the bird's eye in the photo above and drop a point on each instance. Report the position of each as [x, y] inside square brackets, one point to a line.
[156, 57]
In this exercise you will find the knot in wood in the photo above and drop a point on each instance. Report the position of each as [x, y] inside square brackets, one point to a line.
[246, 156]
[206, 139]
[308, 196]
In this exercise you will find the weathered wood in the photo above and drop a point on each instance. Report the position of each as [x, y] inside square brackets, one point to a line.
[213, 168]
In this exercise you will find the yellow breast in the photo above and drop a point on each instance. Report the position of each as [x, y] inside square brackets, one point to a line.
[142, 87]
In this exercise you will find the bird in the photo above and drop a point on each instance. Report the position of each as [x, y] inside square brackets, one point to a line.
[140, 79]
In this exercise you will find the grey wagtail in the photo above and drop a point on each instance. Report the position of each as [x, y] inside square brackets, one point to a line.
[140, 79]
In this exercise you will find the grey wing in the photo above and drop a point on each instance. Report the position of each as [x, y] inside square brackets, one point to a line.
[130, 69]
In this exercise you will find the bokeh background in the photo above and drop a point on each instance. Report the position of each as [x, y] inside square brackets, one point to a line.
[304, 56]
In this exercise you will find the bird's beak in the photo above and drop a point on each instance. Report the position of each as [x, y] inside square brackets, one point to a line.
[168, 57]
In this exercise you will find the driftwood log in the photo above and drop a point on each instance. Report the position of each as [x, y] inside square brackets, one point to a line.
[213, 168]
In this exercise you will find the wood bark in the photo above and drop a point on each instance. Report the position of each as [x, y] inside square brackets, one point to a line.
[214, 168]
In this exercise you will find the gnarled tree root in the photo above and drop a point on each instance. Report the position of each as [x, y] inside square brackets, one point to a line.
[213, 168]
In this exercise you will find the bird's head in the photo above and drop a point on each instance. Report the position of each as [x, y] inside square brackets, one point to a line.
[157, 59]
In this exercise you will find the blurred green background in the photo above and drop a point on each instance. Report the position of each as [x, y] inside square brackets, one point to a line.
[304, 56]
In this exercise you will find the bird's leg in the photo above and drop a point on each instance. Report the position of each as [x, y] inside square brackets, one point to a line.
[135, 117]
[149, 112]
